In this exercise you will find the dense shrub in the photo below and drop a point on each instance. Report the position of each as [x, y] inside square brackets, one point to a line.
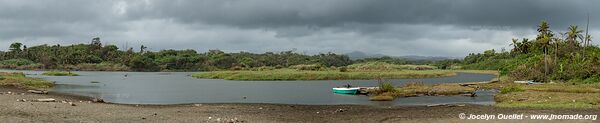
[387, 87]
[343, 69]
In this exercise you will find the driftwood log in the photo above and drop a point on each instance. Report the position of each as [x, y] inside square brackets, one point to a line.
[46, 100]
[37, 91]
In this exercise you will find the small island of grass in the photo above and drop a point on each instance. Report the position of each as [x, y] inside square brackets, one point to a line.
[18, 79]
[387, 92]
[59, 73]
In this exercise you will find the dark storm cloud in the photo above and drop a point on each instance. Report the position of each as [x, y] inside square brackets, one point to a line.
[391, 27]
[325, 13]
[55, 18]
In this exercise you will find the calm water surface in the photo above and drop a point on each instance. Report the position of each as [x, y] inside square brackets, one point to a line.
[180, 88]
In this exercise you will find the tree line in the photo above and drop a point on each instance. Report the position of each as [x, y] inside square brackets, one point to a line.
[94, 55]
[568, 56]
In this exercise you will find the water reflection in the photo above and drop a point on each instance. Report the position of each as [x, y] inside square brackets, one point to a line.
[179, 87]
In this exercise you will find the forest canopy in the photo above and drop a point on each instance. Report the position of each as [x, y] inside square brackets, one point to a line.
[95, 56]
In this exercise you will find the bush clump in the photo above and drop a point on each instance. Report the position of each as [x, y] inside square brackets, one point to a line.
[343, 69]
[387, 87]
[510, 89]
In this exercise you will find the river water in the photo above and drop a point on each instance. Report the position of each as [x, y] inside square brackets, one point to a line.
[181, 88]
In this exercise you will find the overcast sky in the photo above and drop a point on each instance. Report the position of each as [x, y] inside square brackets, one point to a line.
[391, 27]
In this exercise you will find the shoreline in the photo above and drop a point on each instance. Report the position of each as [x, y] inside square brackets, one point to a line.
[17, 111]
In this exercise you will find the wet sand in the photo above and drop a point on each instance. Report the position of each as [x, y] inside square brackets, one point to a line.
[12, 110]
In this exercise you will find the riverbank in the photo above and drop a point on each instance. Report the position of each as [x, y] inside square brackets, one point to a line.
[19, 80]
[292, 74]
[387, 92]
[12, 110]
[552, 95]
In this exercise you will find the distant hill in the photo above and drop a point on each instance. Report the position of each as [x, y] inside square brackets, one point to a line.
[360, 55]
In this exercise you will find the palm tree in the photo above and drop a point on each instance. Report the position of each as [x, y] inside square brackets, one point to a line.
[544, 30]
[525, 44]
[556, 41]
[573, 34]
[515, 45]
[588, 39]
[15, 47]
[142, 48]
[545, 42]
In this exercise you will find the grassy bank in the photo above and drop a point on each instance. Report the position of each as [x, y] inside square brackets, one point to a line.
[290, 74]
[551, 95]
[18, 79]
[533, 99]
[59, 73]
[418, 89]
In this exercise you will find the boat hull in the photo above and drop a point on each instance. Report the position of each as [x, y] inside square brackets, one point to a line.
[345, 90]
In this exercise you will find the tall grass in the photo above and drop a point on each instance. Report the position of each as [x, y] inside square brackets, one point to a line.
[105, 66]
[510, 89]
[417, 88]
[383, 66]
[20, 64]
[59, 73]
[289, 74]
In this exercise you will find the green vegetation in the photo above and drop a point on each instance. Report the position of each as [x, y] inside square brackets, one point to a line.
[98, 57]
[19, 80]
[385, 92]
[291, 74]
[567, 64]
[387, 87]
[546, 58]
[20, 64]
[509, 89]
[59, 73]
[104, 66]
[384, 66]
[95, 56]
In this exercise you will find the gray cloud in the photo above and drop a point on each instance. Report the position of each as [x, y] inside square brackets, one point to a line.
[391, 27]
[275, 13]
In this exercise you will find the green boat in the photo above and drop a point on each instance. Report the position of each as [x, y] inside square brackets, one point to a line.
[353, 90]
